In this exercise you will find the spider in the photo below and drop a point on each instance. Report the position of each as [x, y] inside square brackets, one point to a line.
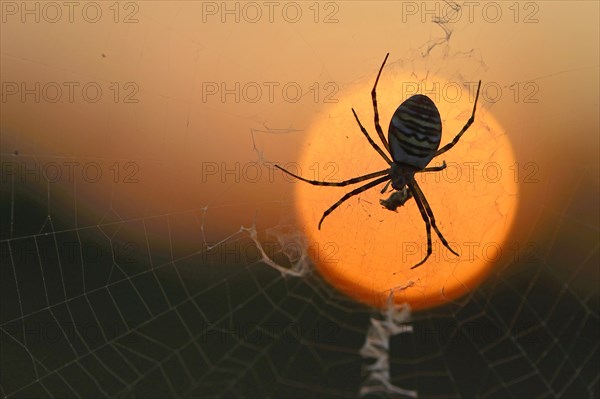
[414, 137]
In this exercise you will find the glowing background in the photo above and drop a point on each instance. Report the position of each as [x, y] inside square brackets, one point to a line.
[178, 163]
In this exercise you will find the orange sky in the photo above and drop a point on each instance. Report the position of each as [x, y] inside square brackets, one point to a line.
[187, 147]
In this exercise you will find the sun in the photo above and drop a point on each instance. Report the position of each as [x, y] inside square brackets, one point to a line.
[367, 251]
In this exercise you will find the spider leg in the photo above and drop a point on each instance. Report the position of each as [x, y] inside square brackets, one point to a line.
[351, 194]
[418, 191]
[385, 187]
[376, 112]
[433, 168]
[338, 184]
[377, 148]
[415, 195]
[464, 129]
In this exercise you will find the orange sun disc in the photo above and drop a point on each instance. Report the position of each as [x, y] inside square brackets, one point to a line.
[367, 251]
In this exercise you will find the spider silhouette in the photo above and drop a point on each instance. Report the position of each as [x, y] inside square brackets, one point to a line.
[414, 136]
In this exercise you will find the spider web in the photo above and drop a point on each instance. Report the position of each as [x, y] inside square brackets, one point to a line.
[112, 306]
